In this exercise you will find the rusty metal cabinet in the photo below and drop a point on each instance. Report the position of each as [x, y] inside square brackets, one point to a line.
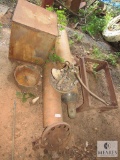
[33, 33]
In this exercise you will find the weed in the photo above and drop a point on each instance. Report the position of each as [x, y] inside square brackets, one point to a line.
[24, 96]
[98, 54]
[54, 58]
[78, 37]
[95, 23]
[110, 58]
[51, 9]
[61, 14]
[117, 54]
[62, 20]
[71, 42]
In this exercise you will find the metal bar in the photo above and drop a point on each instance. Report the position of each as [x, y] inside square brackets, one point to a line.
[101, 65]
[75, 4]
[110, 86]
[86, 101]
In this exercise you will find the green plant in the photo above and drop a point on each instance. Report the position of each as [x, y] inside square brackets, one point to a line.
[97, 54]
[110, 58]
[54, 58]
[78, 37]
[95, 23]
[61, 14]
[24, 96]
[51, 9]
[71, 42]
[62, 20]
[117, 54]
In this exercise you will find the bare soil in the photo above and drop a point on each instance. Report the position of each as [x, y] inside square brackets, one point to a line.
[87, 128]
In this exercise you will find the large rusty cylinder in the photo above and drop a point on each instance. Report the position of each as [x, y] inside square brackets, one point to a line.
[52, 109]
[62, 48]
[57, 133]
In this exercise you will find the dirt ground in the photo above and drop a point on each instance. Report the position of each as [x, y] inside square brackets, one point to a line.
[87, 128]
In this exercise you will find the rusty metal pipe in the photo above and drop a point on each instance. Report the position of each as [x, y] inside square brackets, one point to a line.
[62, 49]
[52, 109]
[57, 133]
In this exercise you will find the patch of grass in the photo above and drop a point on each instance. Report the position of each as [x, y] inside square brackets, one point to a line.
[110, 58]
[78, 37]
[71, 42]
[55, 58]
[117, 54]
[24, 96]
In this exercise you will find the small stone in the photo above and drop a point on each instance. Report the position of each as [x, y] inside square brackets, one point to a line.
[96, 129]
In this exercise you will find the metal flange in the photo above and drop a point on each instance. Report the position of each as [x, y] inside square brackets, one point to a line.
[56, 136]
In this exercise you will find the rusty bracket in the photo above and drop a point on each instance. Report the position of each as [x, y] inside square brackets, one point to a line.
[83, 74]
[46, 3]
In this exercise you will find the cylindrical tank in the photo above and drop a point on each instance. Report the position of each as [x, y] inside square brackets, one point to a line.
[52, 110]
[57, 133]
[62, 49]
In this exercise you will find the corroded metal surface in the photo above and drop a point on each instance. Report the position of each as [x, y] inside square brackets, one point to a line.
[63, 50]
[56, 136]
[35, 17]
[101, 65]
[75, 4]
[27, 75]
[33, 33]
[47, 3]
[56, 133]
[52, 109]
[62, 47]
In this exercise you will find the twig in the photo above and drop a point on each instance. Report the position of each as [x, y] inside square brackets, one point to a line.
[13, 130]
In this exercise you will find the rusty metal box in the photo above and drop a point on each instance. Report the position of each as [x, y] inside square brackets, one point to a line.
[33, 33]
